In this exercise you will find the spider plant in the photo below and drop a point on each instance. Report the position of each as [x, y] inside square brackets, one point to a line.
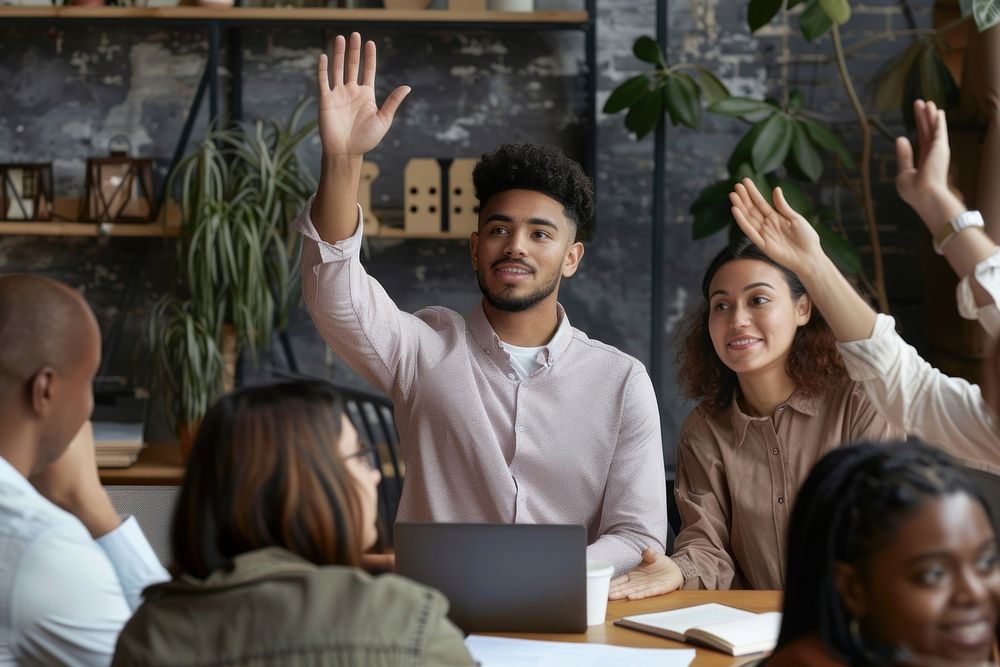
[236, 261]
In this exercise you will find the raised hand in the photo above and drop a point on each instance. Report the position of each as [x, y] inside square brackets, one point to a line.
[918, 182]
[784, 235]
[655, 575]
[350, 122]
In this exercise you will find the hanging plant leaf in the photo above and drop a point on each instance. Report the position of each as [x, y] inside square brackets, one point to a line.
[626, 94]
[711, 87]
[648, 50]
[796, 197]
[737, 107]
[936, 82]
[742, 152]
[772, 144]
[711, 210]
[814, 22]
[986, 13]
[760, 13]
[645, 113]
[889, 85]
[824, 138]
[839, 11]
[682, 98]
[839, 249]
[804, 153]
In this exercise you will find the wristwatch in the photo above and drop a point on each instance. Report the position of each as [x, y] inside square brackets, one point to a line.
[947, 231]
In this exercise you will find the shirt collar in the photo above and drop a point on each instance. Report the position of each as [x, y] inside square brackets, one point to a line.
[488, 340]
[10, 475]
[798, 401]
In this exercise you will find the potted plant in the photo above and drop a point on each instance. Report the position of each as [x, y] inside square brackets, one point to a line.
[235, 272]
[787, 144]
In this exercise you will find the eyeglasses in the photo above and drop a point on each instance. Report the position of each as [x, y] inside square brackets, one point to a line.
[366, 455]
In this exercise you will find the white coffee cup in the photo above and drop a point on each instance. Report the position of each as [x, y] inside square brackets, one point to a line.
[598, 582]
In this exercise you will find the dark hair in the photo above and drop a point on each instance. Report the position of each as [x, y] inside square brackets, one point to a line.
[814, 363]
[264, 471]
[544, 169]
[851, 505]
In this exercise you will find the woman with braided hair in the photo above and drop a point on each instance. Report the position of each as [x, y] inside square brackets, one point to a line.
[892, 561]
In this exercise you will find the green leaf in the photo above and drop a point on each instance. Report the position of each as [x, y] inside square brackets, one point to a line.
[936, 82]
[795, 99]
[889, 85]
[760, 13]
[711, 210]
[742, 151]
[626, 94]
[795, 197]
[986, 13]
[648, 50]
[771, 146]
[839, 249]
[738, 107]
[645, 114]
[824, 138]
[839, 11]
[814, 22]
[804, 153]
[711, 87]
[681, 96]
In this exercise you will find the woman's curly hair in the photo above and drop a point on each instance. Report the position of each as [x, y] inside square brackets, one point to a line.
[814, 363]
[544, 169]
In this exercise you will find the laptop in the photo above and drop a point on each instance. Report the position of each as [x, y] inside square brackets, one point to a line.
[501, 577]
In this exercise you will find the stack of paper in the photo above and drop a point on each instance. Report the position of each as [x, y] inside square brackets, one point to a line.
[505, 652]
[117, 444]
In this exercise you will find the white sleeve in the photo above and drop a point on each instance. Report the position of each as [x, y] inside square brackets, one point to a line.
[987, 274]
[67, 605]
[134, 561]
[945, 411]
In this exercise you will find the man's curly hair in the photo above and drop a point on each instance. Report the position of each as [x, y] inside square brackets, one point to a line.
[544, 169]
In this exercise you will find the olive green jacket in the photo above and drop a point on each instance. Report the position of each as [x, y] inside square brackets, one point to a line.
[274, 608]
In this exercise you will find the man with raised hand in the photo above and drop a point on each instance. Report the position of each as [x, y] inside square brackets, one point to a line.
[71, 571]
[508, 414]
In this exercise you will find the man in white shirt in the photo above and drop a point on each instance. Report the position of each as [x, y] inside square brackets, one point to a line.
[71, 571]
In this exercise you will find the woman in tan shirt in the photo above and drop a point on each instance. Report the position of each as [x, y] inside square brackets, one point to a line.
[774, 397]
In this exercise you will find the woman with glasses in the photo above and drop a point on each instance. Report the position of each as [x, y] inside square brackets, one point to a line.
[277, 505]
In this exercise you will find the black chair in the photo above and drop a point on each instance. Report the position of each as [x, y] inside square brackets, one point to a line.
[372, 416]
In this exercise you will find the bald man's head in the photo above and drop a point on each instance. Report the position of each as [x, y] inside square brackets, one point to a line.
[49, 353]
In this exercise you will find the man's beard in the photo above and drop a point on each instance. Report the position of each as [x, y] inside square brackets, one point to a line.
[516, 304]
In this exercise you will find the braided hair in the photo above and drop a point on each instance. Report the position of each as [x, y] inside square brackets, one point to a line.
[851, 505]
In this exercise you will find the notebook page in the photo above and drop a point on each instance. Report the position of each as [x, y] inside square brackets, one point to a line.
[682, 620]
[759, 633]
[506, 652]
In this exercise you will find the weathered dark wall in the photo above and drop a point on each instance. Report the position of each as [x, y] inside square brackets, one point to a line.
[68, 90]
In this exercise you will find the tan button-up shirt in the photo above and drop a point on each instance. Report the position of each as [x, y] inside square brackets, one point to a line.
[576, 442]
[737, 478]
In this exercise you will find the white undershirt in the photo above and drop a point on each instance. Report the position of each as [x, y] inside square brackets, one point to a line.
[525, 359]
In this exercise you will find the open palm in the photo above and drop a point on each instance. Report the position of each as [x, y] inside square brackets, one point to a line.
[784, 235]
[350, 122]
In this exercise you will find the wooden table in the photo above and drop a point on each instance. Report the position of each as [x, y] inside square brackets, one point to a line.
[612, 634]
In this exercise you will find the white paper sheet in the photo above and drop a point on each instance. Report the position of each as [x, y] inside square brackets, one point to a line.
[505, 652]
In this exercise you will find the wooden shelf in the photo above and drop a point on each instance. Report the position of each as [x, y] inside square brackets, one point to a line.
[158, 465]
[252, 14]
[68, 208]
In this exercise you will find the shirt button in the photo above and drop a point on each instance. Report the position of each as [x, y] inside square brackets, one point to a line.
[512, 376]
[521, 428]
[781, 500]
[775, 451]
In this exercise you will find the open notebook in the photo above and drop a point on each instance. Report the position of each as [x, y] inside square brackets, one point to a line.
[733, 631]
